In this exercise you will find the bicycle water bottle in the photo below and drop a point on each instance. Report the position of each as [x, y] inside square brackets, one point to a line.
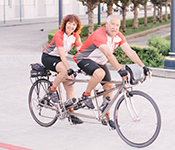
[70, 102]
[105, 103]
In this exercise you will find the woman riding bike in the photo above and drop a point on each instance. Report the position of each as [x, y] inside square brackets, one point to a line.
[54, 56]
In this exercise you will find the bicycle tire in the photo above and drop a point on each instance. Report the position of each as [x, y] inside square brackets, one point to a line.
[42, 115]
[135, 132]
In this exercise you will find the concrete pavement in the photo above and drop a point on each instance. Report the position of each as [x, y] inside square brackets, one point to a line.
[17, 127]
[21, 46]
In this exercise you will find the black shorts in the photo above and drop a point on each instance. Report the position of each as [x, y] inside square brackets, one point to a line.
[50, 62]
[89, 66]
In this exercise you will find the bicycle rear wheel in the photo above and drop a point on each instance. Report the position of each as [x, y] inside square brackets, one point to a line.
[42, 110]
[143, 127]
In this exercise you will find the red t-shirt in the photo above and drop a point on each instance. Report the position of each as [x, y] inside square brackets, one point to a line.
[90, 47]
[61, 39]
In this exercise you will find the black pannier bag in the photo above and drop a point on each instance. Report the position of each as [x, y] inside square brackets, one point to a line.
[38, 70]
[136, 73]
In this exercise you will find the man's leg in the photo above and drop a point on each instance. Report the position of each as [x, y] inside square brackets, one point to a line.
[91, 68]
[96, 78]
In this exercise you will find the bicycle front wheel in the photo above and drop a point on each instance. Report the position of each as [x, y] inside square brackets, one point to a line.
[137, 119]
[42, 110]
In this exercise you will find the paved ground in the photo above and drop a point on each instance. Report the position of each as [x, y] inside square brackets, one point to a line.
[21, 46]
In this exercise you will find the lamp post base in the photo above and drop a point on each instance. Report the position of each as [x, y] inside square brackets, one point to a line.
[169, 62]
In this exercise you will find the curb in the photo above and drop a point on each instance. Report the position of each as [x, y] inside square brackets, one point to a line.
[143, 33]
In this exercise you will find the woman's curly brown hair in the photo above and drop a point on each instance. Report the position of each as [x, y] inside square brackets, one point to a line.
[71, 18]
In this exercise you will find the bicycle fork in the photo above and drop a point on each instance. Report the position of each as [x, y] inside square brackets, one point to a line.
[130, 106]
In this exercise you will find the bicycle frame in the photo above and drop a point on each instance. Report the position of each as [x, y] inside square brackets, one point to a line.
[119, 85]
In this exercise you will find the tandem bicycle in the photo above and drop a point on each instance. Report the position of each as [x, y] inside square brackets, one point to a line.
[136, 115]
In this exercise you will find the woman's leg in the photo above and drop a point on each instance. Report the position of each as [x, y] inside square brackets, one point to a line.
[69, 90]
[62, 74]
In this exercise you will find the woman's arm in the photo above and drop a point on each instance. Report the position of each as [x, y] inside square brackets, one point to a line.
[61, 52]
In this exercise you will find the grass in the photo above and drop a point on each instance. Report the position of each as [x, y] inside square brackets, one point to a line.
[141, 28]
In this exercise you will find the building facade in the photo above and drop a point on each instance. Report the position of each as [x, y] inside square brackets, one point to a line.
[33, 9]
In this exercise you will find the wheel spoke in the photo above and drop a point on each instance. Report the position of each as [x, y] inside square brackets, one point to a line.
[141, 132]
[38, 100]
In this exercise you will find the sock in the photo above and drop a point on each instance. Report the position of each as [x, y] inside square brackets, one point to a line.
[52, 88]
[71, 110]
[107, 116]
[86, 93]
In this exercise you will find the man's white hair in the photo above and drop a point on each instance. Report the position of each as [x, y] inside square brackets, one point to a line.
[112, 16]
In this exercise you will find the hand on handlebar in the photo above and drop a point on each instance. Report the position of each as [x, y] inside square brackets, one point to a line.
[147, 71]
[123, 73]
[71, 72]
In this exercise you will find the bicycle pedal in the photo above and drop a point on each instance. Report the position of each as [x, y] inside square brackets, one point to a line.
[107, 123]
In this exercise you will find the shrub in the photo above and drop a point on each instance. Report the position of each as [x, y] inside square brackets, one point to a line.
[160, 43]
[51, 34]
[149, 56]
[73, 51]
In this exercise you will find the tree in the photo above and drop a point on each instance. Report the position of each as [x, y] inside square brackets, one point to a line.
[91, 5]
[145, 13]
[167, 3]
[154, 12]
[109, 5]
[159, 4]
[124, 4]
[136, 4]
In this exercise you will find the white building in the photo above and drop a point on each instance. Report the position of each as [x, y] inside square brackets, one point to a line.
[31, 9]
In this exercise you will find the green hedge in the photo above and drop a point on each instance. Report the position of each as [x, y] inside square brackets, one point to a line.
[150, 56]
[159, 42]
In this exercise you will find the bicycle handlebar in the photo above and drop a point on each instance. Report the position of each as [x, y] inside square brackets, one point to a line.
[129, 79]
[75, 75]
[132, 81]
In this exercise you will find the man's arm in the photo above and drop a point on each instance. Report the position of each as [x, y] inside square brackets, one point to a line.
[131, 54]
[111, 58]
[134, 57]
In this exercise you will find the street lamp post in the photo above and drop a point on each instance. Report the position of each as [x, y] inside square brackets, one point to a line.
[60, 13]
[99, 18]
[4, 11]
[169, 62]
[20, 6]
